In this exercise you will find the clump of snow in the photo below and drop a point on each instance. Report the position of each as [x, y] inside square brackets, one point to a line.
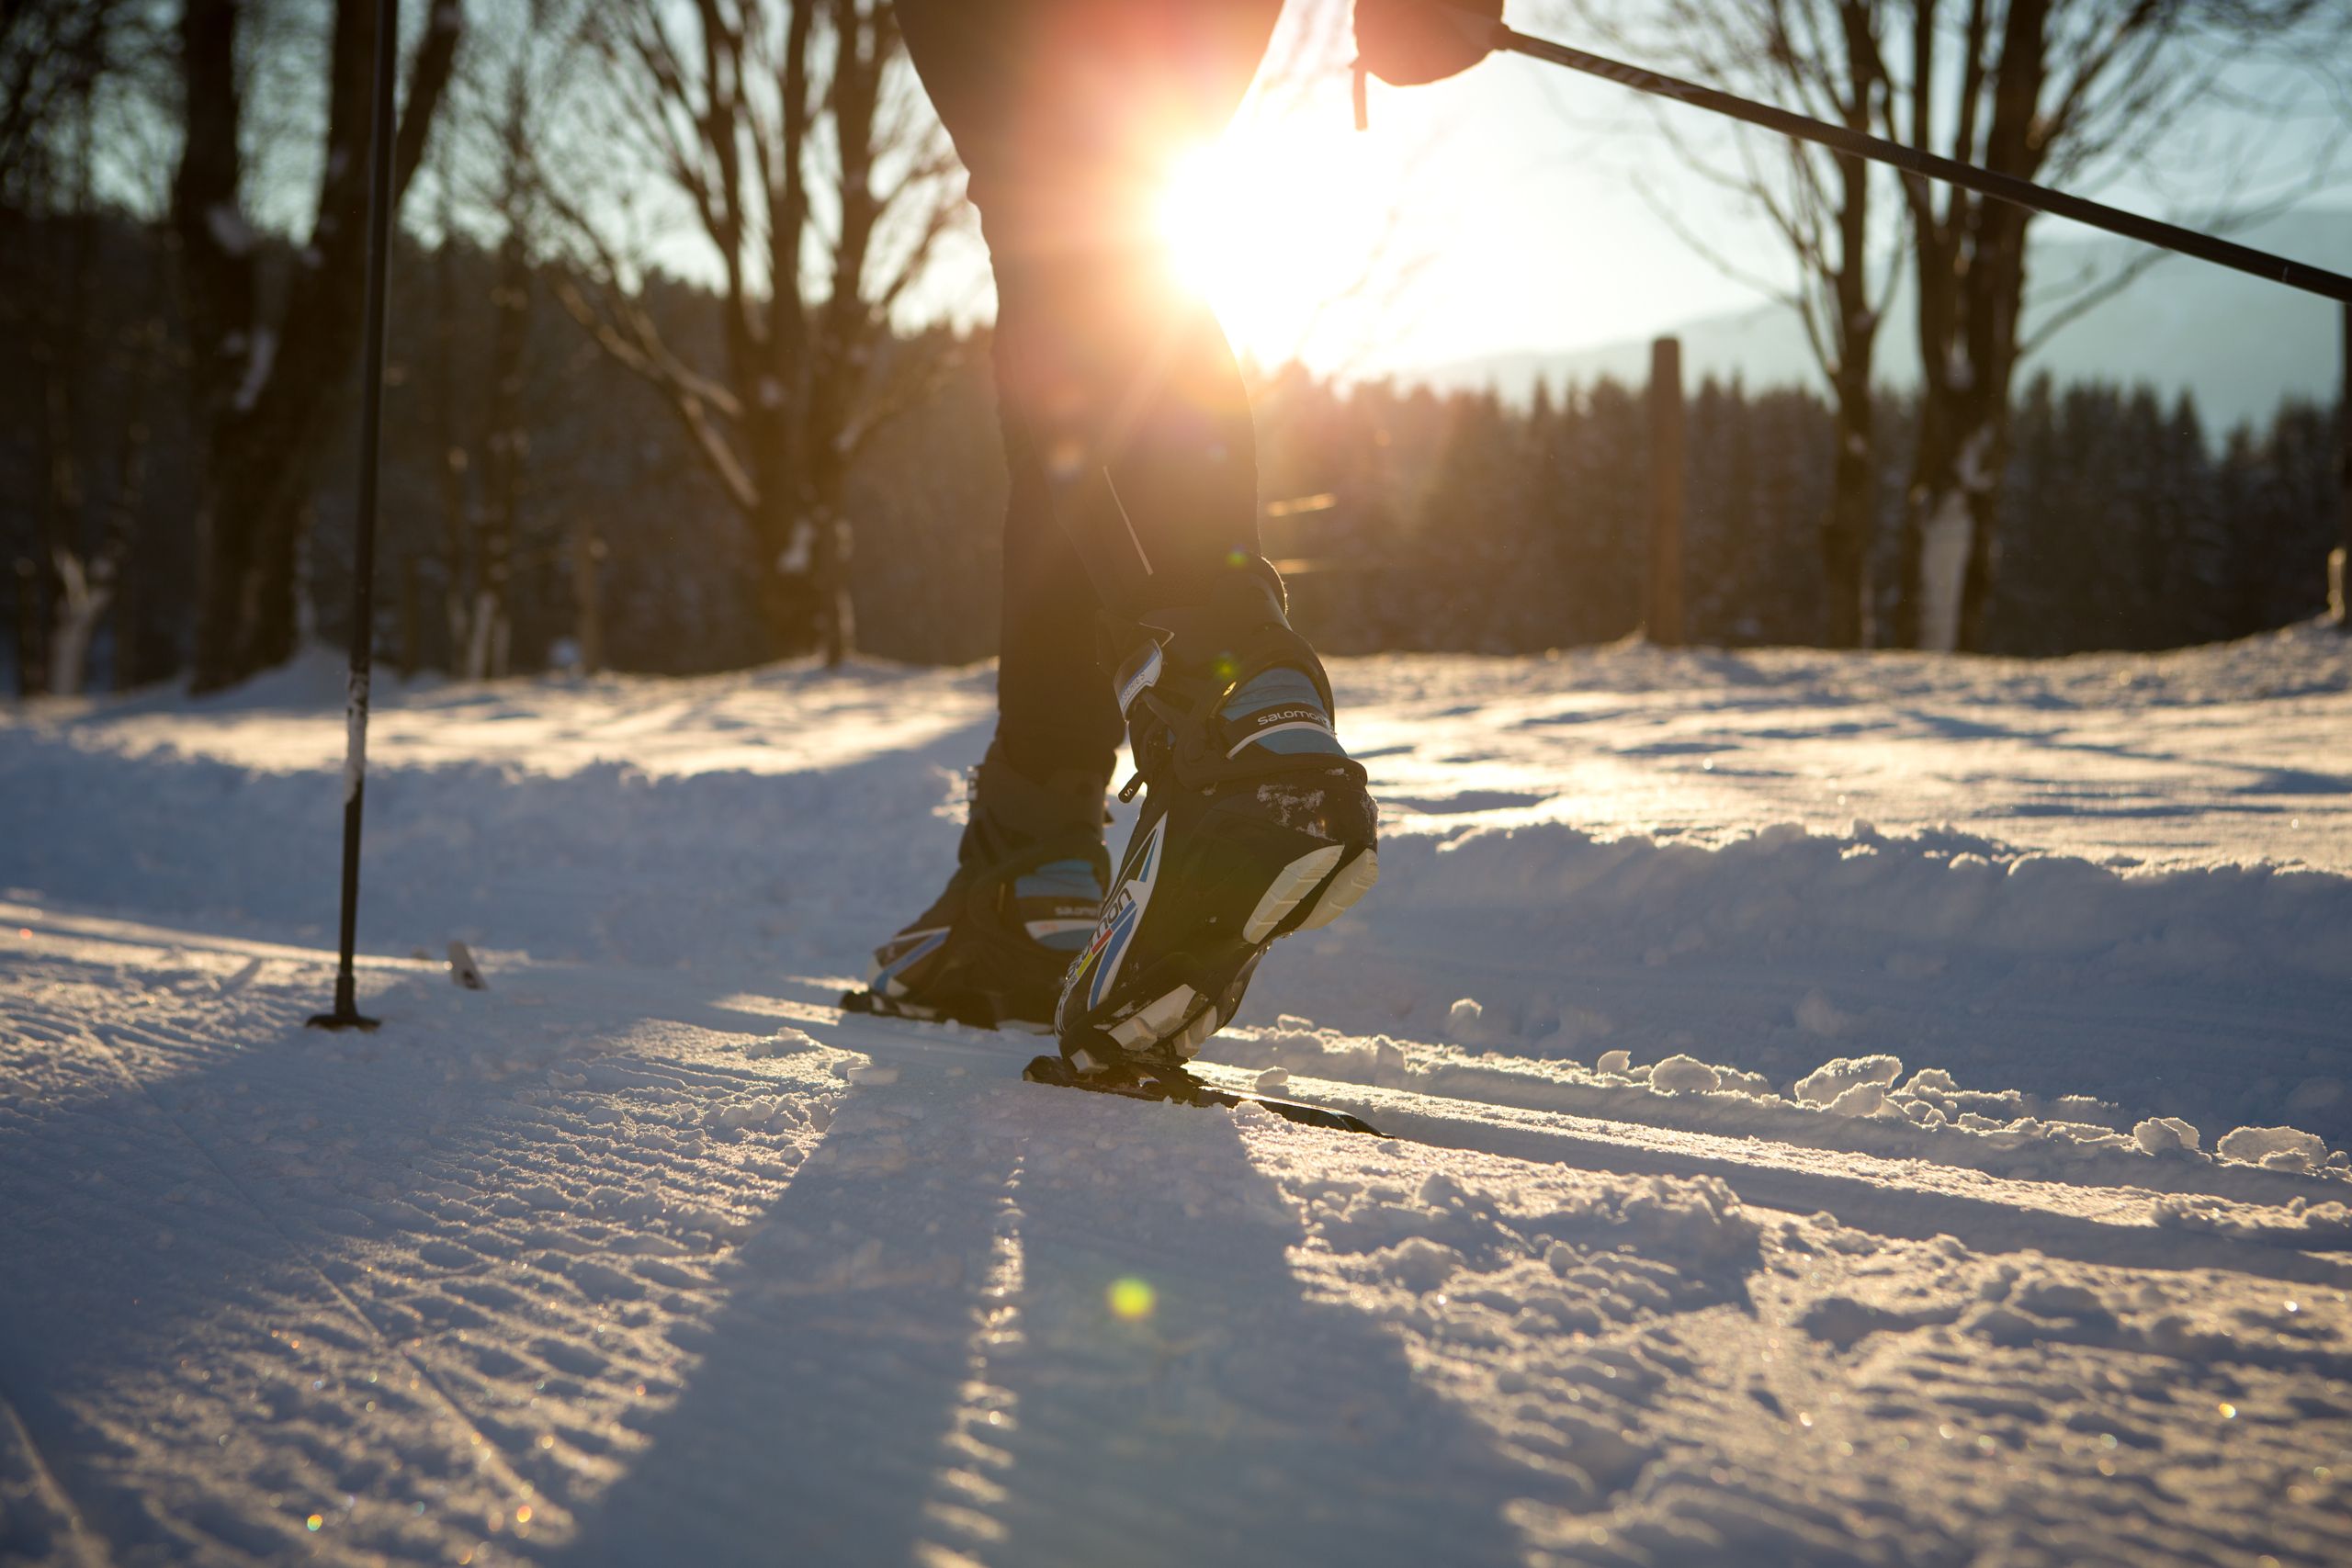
[1862, 1099]
[1273, 1078]
[464, 973]
[2274, 1148]
[1678, 1074]
[871, 1076]
[1417, 1263]
[1825, 1083]
[748, 1114]
[1465, 1021]
[2010, 1133]
[2298, 1224]
[2164, 1134]
[783, 1042]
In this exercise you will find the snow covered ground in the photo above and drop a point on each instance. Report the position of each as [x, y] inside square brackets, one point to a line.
[1815, 1087]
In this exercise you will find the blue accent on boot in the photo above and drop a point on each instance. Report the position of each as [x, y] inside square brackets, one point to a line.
[1284, 687]
[1059, 879]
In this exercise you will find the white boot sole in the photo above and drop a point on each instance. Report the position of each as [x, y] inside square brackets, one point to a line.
[1298, 881]
[1353, 881]
[1293, 882]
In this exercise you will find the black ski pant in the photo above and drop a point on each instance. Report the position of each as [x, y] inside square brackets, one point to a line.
[1127, 426]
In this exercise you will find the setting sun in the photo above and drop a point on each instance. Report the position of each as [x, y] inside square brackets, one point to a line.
[1284, 227]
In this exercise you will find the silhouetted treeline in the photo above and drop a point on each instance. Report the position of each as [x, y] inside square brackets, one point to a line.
[1409, 521]
[1460, 524]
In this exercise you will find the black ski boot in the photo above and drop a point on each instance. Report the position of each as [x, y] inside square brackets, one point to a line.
[1028, 884]
[1257, 825]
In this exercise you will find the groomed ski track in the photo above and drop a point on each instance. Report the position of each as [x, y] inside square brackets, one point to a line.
[585, 1293]
[626, 1262]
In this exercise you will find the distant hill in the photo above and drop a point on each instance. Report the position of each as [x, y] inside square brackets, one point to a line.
[2238, 342]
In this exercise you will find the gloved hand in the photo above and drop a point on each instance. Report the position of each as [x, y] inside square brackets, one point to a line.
[1407, 42]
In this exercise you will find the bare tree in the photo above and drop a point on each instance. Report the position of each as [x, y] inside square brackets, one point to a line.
[2070, 91]
[802, 150]
[2066, 92]
[1821, 57]
[52, 54]
[266, 390]
[70, 82]
[506, 104]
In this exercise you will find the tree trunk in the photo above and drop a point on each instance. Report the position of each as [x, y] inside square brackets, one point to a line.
[794, 396]
[1846, 534]
[266, 396]
[503, 445]
[453, 462]
[587, 595]
[1971, 288]
[33, 622]
[2342, 588]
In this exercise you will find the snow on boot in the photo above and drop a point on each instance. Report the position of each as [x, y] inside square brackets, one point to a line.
[1258, 825]
[1028, 884]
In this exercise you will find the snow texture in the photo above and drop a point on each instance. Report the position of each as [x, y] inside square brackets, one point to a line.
[1763, 1185]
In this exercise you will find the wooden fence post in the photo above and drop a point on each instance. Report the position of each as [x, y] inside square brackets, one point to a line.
[409, 648]
[2339, 564]
[587, 596]
[1664, 621]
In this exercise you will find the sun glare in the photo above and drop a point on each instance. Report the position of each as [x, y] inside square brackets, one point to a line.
[1278, 225]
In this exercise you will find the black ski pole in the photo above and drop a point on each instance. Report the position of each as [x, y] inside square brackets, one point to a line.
[346, 1014]
[2004, 187]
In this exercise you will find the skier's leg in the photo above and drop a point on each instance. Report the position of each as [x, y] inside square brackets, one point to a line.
[1032, 865]
[1054, 709]
[1073, 118]
[1126, 410]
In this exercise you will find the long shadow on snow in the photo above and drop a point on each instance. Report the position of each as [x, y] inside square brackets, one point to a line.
[1239, 1422]
[145, 1257]
[881, 1386]
[101, 1319]
[812, 1429]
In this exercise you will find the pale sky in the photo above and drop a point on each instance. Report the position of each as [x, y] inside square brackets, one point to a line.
[1518, 207]
[1528, 206]
[1537, 200]
[1510, 194]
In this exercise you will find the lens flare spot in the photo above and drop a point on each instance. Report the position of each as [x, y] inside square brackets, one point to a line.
[1132, 1299]
[523, 1515]
[315, 1520]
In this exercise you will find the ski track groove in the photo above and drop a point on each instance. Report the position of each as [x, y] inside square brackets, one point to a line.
[40, 1525]
[1513, 1399]
[490, 1458]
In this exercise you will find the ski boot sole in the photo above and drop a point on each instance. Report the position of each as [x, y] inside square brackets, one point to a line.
[970, 1009]
[1177, 1087]
[1305, 895]
[1290, 886]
